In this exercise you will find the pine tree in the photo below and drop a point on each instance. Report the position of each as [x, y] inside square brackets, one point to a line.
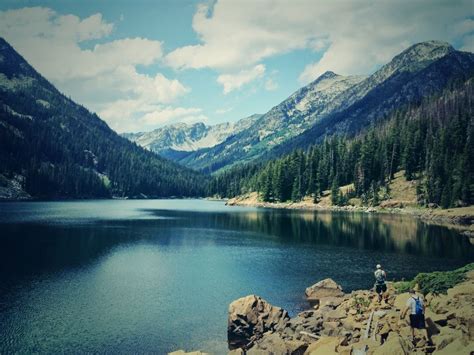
[335, 193]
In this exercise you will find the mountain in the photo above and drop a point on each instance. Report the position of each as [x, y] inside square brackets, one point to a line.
[51, 147]
[337, 104]
[421, 71]
[284, 121]
[418, 155]
[175, 141]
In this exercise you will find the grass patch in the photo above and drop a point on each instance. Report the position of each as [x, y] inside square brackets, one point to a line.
[435, 282]
[361, 304]
[402, 286]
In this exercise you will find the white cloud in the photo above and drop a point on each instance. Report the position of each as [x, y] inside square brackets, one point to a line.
[354, 37]
[131, 115]
[46, 23]
[468, 45]
[232, 82]
[234, 39]
[271, 85]
[464, 26]
[224, 110]
[104, 77]
[167, 114]
[237, 36]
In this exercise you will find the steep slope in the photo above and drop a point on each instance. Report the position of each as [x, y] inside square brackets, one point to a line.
[52, 147]
[176, 140]
[421, 71]
[430, 144]
[284, 121]
[333, 104]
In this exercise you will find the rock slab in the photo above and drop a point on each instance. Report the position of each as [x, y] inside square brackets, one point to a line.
[322, 289]
[249, 318]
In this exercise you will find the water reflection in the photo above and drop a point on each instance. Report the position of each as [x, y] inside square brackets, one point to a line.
[159, 276]
[30, 247]
[390, 233]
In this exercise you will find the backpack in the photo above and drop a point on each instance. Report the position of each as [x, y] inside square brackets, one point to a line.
[379, 277]
[418, 306]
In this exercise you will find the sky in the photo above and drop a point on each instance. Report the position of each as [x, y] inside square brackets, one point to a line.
[143, 64]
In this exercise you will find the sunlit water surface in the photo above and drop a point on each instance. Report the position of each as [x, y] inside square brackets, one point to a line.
[158, 275]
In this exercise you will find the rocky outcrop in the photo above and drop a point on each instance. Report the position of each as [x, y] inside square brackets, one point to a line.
[11, 189]
[323, 289]
[250, 317]
[355, 323]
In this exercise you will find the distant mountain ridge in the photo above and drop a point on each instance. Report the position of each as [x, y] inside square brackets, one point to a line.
[181, 138]
[51, 147]
[338, 104]
[284, 121]
[420, 71]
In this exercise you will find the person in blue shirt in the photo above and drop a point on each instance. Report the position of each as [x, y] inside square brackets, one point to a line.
[416, 307]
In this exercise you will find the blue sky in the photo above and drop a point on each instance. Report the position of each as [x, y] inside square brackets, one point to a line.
[144, 64]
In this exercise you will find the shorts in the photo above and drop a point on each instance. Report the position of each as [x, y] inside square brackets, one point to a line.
[417, 321]
[380, 288]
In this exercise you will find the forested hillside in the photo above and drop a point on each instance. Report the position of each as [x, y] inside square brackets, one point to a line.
[51, 147]
[433, 142]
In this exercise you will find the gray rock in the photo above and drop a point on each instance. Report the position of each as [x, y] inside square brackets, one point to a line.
[323, 289]
[250, 317]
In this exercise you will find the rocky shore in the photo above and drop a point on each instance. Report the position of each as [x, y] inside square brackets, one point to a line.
[461, 218]
[353, 323]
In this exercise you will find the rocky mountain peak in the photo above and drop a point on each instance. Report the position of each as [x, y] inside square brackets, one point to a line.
[418, 56]
[327, 75]
[187, 137]
[413, 59]
[429, 50]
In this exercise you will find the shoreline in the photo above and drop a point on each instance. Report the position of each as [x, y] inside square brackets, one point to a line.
[336, 322]
[459, 218]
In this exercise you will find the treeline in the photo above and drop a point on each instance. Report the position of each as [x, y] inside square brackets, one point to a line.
[433, 142]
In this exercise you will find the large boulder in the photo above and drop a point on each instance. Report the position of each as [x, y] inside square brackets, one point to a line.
[322, 289]
[250, 317]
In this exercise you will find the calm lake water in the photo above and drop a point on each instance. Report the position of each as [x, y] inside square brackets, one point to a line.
[158, 275]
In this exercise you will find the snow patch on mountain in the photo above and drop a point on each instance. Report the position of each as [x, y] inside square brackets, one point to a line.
[322, 90]
[189, 137]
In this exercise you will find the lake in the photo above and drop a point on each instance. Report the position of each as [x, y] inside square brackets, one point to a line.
[128, 276]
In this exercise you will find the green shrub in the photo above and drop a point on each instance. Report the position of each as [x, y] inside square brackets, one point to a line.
[360, 304]
[402, 286]
[435, 282]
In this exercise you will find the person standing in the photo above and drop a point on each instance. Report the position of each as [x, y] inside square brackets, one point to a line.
[416, 308]
[380, 285]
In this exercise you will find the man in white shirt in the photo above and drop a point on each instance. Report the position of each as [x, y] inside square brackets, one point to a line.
[416, 307]
[380, 285]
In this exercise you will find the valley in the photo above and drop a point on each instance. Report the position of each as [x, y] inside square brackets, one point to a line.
[237, 177]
